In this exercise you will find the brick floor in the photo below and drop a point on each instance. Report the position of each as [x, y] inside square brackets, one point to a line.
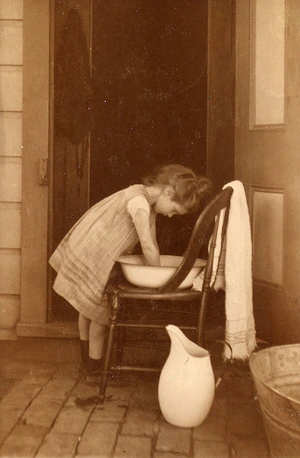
[41, 416]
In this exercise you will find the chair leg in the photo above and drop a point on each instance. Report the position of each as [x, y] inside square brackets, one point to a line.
[106, 365]
[113, 305]
[121, 335]
[202, 318]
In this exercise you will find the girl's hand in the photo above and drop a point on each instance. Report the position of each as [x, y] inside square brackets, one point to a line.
[146, 236]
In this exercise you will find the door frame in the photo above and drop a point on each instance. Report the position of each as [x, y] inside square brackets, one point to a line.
[36, 216]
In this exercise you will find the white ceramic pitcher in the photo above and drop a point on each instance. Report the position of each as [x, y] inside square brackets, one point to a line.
[186, 385]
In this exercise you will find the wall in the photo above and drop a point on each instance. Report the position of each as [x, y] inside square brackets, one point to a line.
[24, 84]
[11, 69]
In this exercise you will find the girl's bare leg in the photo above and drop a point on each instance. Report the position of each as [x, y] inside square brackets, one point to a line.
[96, 335]
[92, 337]
[84, 327]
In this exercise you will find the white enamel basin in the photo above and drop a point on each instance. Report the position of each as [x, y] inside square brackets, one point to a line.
[139, 274]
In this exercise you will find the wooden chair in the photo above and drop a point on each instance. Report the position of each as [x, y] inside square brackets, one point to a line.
[120, 291]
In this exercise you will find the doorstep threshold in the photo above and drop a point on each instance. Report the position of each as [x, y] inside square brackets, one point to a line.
[55, 329]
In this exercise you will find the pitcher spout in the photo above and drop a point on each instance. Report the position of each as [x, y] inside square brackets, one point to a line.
[183, 344]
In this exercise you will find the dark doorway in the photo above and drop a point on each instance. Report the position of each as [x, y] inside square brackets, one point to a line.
[150, 78]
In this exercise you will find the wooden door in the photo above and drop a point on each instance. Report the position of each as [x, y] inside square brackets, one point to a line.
[70, 186]
[267, 157]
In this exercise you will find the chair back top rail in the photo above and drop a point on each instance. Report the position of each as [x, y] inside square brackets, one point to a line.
[206, 224]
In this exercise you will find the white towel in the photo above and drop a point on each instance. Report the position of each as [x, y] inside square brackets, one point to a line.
[240, 326]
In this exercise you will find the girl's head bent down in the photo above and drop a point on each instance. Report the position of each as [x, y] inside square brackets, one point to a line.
[189, 190]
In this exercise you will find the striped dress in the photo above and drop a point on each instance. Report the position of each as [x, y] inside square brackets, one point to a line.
[85, 257]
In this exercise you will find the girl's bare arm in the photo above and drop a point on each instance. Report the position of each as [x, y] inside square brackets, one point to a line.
[153, 228]
[147, 237]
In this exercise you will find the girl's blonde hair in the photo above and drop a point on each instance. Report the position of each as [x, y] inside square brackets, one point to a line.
[190, 189]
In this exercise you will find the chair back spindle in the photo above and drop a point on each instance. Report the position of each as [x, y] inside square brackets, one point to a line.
[206, 227]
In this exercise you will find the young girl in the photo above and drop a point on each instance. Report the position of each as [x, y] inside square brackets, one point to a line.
[85, 257]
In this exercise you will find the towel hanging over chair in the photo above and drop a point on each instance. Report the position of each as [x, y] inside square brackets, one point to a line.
[240, 325]
[232, 271]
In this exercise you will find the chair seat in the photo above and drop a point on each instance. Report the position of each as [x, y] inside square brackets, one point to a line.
[126, 290]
